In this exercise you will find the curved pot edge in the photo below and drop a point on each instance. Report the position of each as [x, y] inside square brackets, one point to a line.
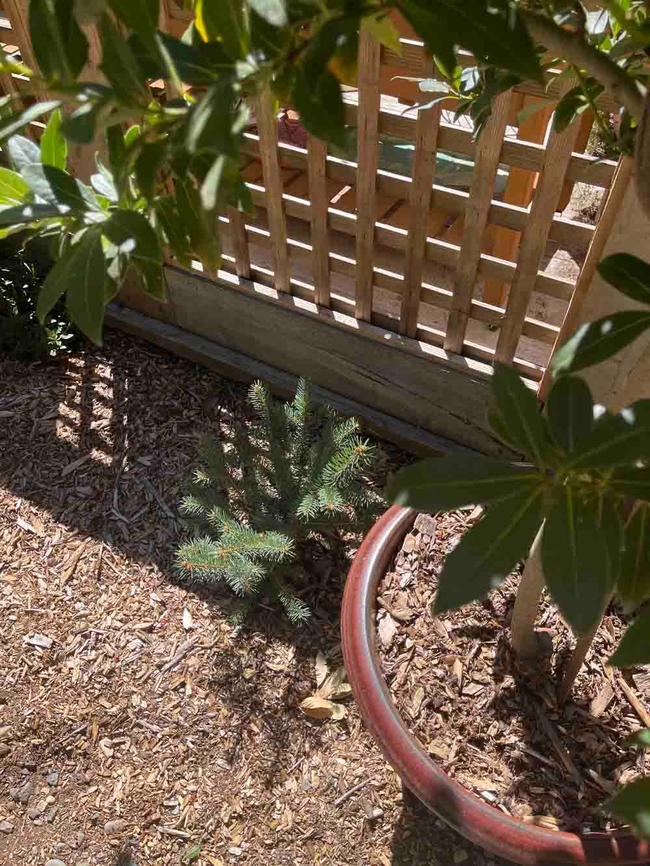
[477, 821]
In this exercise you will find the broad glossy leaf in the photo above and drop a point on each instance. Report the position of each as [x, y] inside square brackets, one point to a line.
[616, 440]
[632, 482]
[81, 272]
[632, 804]
[54, 147]
[89, 11]
[22, 151]
[438, 483]
[85, 278]
[575, 560]
[224, 22]
[131, 135]
[320, 104]
[59, 44]
[147, 165]
[493, 33]
[104, 186]
[200, 228]
[518, 410]
[79, 127]
[200, 64]
[131, 232]
[213, 124]
[639, 738]
[634, 648]
[570, 412]
[627, 273]
[55, 186]
[119, 63]
[273, 11]
[594, 342]
[19, 119]
[211, 184]
[27, 213]
[173, 229]
[138, 15]
[13, 188]
[267, 39]
[489, 551]
[634, 579]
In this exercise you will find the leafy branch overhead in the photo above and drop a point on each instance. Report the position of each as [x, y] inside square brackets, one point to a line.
[172, 164]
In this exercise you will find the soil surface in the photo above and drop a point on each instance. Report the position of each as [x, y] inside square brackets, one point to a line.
[137, 726]
[494, 727]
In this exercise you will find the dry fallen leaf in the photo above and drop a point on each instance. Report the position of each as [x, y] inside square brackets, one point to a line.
[188, 622]
[321, 668]
[320, 708]
[75, 465]
[387, 630]
[334, 685]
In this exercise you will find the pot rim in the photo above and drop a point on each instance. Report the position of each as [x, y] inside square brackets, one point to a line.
[476, 820]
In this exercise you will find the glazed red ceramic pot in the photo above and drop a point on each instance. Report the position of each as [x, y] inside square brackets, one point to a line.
[479, 822]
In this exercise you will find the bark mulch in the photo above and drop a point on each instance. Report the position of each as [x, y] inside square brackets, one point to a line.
[495, 728]
[136, 725]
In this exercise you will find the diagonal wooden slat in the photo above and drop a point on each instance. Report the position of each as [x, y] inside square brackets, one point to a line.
[535, 235]
[424, 169]
[317, 170]
[486, 161]
[368, 161]
[268, 132]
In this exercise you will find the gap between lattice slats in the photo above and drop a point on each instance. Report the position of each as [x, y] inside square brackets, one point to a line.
[267, 127]
[424, 169]
[535, 235]
[317, 171]
[486, 161]
[368, 162]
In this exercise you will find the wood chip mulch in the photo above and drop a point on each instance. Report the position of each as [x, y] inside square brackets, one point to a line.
[136, 725]
[496, 729]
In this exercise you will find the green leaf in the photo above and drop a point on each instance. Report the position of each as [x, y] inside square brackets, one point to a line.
[632, 804]
[634, 648]
[138, 15]
[117, 158]
[79, 127]
[85, 279]
[22, 151]
[204, 241]
[172, 227]
[211, 183]
[19, 119]
[439, 483]
[27, 213]
[81, 272]
[206, 129]
[13, 188]
[518, 410]
[639, 738]
[131, 134]
[54, 147]
[629, 274]
[489, 551]
[570, 411]
[594, 342]
[616, 440]
[192, 853]
[634, 579]
[104, 186]
[223, 22]
[320, 104]
[119, 64]
[200, 64]
[131, 232]
[55, 186]
[575, 560]
[147, 164]
[494, 33]
[273, 11]
[59, 44]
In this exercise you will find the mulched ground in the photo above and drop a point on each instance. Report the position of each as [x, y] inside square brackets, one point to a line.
[496, 729]
[133, 718]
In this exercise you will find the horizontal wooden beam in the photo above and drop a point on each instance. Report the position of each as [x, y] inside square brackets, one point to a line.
[421, 385]
[243, 368]
[567, 233]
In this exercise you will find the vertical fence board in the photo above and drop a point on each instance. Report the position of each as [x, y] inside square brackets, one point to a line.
[594, 253]
[424, 168]
[486, 161]
[17, 12]
[534, 237]
[368, 160]
[317, 171]
[239, 242]
[268, 133]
